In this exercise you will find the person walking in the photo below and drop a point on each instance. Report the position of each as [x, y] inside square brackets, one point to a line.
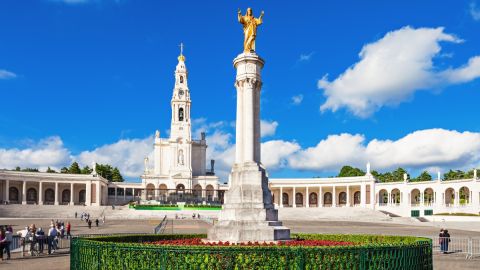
[446, 240]
[75, 215]
[440, 240]
[96, 222]
[52, 234]
[3, 240]
[89, 224]
[41, 239]
[69, 227]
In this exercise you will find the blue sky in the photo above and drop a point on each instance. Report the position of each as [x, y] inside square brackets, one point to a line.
[92, 80]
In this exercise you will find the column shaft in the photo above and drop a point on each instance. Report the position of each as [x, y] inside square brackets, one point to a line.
[239, 126]
[334, 197]
[294, 198]
[56, 194]
[363, 195]
[249, 128]
[281, 197]
[24, 192]
[98, 193]
[348, 196]
[88, 190]
[40, 193]
[320, 197]
[307, 203]
[72, 192]
[7, 190]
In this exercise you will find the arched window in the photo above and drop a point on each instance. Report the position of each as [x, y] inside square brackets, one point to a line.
[299, 199]
[13, 194]
[210, 193]
[181, 79]
[180, 114]
[356, 197]
[66, 196]
[342, 198]
[197, 191]
[313, 199]
[285, 199]
[32, 195]
[327, 198]
[49, 195]
[81, 196]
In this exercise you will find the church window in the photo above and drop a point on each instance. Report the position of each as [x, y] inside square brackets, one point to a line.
[180, 114]
[181, 79]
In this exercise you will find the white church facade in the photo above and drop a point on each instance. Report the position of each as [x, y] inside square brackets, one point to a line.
[179, 174]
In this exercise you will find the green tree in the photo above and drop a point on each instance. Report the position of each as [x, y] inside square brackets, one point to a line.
[424, 176]
[86, 170]
[454, 175]
[105, 171]
[17, 169]
[64, 170]
[116, 176]
[49, 170]
[347, 171]
[74, 168]
[30, 170]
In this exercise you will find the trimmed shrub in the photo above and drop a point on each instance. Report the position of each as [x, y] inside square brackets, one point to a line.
[370, 252]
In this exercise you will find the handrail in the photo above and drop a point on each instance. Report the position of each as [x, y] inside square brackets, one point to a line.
[160, 228]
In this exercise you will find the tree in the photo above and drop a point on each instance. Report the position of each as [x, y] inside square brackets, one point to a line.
[347, 171]
[424, 176]
[17, 169]
[116, 176]
[105, 171]
[74, 168]
[86, 170]
[454, 175]
[49, 170]
[64, 170]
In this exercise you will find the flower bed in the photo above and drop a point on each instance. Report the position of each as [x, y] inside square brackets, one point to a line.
[199, 242]
[145, 252]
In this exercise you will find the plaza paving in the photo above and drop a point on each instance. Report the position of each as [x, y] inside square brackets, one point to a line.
[61, 259]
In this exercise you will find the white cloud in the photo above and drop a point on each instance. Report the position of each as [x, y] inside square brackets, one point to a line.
[47, 152]
[268, 128]
[474, 11]
[297, 100]
[276, 152]
[126, 154]
[392, 69]
[5, 74]
[418, 150]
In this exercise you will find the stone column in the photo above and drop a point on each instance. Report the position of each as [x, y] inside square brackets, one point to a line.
[88, 191]
[124, 194]
[7, 190]
[24, 192]
[307, 202]
[116, 193]
[72, 194]
[40, 193]
[372, 196]
[334, 197]
[320, 197]
[281, 197]
[363, 195]
[98, 194]
[348, 196]
[56, 194]
[294, 197]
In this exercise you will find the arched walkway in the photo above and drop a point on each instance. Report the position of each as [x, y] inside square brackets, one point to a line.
[81, 196]
[464, 194]
[32, 195]
[396, 196]
[197, 192]
[66, 196]
[449, 196]
[209, 191]
[150, 191]
[415, 197]
[342, 198]
[428, 196]
[383, 197]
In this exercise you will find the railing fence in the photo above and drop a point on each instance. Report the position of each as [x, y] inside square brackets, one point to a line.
[470, 246]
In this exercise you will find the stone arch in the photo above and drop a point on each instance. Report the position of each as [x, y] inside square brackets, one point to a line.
[464, 195]
[342, 198]
[49, 195]
[415, 196]
[181, 114]
[197, 191]
[327, 198]
[82, 196]
[32, 195]
[285, 199]
[383, 196]
[395, 194]
[428, 196]
[209, 191]
[299, 199]
[356, 197]
[181, 79]
[163, 192]
[180, 188]
[66, 195]
[13, 194]
[150, 191]
[449, 196]
[313, 199]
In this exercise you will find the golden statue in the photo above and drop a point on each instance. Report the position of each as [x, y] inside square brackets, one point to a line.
[250, 24]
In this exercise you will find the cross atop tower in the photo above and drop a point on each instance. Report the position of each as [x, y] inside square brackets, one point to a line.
[181, 57]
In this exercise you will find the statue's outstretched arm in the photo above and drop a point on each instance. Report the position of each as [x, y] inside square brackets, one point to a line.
[260, 18]
[240, 17]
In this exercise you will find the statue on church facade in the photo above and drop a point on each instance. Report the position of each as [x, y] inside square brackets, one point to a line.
[250, 24]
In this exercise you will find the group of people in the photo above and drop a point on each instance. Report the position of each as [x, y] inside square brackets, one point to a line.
[37, 238]
[444, 239]
[6, 238]
[86, 217]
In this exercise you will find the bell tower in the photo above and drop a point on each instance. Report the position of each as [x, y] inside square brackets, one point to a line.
[181, 123]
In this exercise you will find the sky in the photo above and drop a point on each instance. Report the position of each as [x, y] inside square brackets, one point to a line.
[393, 83]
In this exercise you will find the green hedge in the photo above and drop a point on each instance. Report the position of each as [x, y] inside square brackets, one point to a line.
[371, 252]
[202, 207]
[156, 207]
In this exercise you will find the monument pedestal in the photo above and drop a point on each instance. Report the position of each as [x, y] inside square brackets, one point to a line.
[248, 213]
